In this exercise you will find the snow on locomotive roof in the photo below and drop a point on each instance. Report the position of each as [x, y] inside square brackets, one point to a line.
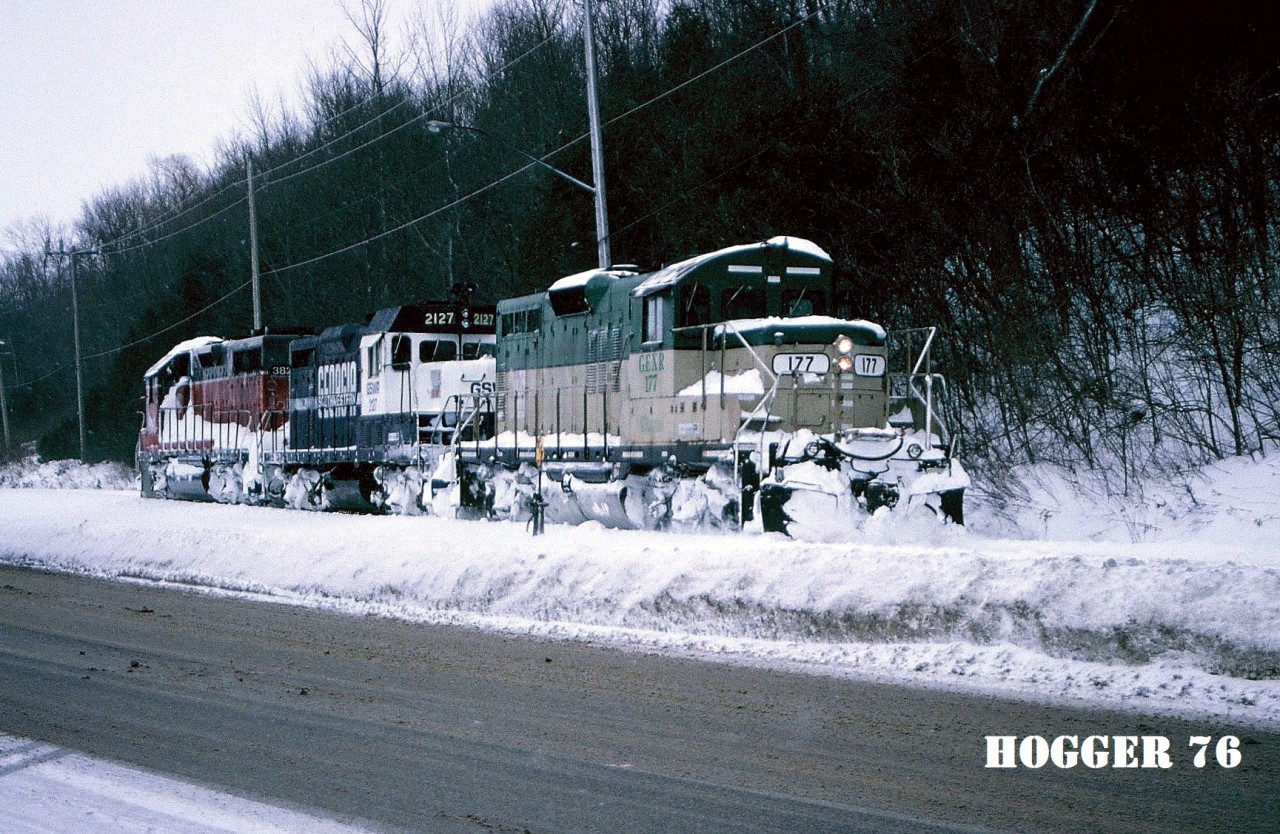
[581, 279]
[181, 347]
[671, 275]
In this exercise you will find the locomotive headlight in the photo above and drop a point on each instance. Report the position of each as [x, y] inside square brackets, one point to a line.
[845, 346]
[845, 364]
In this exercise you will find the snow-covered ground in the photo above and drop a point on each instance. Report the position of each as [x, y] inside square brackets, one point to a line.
[47, 789]
[1185, 620]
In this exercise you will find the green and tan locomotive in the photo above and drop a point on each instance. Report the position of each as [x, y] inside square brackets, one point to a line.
[715, 391]
[718, 391]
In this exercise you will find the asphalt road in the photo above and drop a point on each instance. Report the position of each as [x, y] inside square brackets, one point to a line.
[411, 727]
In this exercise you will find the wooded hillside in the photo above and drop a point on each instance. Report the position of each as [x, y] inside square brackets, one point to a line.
[1083, 195]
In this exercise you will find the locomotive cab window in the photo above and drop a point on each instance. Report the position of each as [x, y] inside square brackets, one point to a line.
[475, 350]
[654, 313]
[247, 361]
[211, 357]
[804, 301]
[275, 353]
[521, 321]
[695, 305]
[401, 352]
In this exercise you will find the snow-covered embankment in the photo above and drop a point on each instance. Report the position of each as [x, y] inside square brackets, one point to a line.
[1187, 627]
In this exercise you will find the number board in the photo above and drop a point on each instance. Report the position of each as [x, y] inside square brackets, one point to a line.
[868, 364]
[801, 363]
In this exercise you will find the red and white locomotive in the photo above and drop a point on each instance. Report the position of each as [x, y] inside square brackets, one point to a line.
[209, 407]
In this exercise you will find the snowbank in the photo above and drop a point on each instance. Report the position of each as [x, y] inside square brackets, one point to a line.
[31, 472]
[1235, 501]
[1191, 627]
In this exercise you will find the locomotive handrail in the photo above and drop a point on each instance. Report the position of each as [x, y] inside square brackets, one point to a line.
[932, 413]
[729, 325]
[923, 360]
[924, 351]
[461, 424]
[268, 419]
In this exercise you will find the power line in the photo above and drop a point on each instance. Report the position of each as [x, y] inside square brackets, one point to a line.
[176, 324]
[236, 183]
[330, 143]
[462, 199]
[543, 159]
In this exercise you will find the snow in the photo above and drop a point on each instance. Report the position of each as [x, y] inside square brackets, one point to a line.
[32, 472]
[671, 274]
[745, 326]
[1236, 500]
[181, 347]
[581, 279]
[747, 383]
[799, 244]
[45, 788]
[1183, 620]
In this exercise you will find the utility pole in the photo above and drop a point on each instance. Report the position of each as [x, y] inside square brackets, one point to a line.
[4, 403]
[253, 254]
[75, 330]
[75, 319]
[597, 140]
[603, 256]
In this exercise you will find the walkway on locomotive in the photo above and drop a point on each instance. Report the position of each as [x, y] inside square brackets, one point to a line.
[614, 365]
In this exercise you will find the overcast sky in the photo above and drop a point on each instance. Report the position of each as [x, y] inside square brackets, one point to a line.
[91, 89]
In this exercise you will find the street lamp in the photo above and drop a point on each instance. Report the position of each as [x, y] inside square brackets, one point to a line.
[438, 127]
[597, 143]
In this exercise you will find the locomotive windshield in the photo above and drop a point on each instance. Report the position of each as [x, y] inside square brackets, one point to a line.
[246, 360]
[433, 351]
[744, 302]
[804, 301]
[703, 303]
